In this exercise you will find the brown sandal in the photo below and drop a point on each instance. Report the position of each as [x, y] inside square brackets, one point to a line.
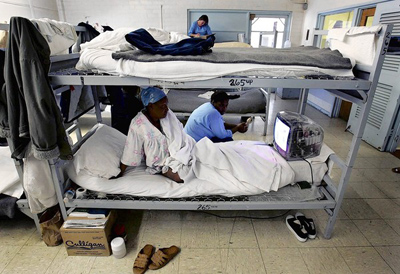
[142, 260]
[163, 256]
[396, 169]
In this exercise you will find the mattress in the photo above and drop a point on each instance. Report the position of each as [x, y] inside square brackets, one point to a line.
[101, 61]
[96, 56]
[357, 44]
[187, 100]
[137, 182]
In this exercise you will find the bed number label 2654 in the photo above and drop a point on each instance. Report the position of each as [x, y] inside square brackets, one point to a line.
[240, 82]
[206, 207]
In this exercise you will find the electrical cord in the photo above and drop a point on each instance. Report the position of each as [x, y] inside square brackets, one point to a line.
[245, 217]
[312, 177]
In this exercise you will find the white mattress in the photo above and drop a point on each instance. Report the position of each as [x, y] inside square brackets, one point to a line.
[139, 183]
[100, 60]
[358, 44]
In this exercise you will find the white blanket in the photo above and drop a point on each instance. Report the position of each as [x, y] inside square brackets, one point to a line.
[139, 183]
[9, 182]
[228, 169]
[231, 165]
[245, 166]
[59, 35]
[358, 43]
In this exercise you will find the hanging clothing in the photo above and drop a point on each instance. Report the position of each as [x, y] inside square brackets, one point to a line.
[29, 112]
[84, 36]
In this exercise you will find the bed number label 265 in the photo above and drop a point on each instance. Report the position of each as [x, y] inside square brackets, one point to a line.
[206, 207]
[240, 82]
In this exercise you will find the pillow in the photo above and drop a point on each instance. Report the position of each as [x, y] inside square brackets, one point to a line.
[101, 154]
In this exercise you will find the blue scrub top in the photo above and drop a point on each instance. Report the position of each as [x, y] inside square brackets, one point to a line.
[206, 121]
[203, 30]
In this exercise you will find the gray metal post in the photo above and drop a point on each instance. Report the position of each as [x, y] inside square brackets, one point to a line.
[267, 100]
[301, 107]
[357, 137]
[58, 183]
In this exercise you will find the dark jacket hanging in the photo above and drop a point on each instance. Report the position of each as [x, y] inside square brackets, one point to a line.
[31, 114]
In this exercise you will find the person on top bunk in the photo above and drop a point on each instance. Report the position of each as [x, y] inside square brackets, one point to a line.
[153, 133]
[207, 120]
[200, 28]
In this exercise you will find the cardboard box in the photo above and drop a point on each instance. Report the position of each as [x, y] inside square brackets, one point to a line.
[88, 241]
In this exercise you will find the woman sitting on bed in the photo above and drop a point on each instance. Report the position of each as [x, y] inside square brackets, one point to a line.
[153, 134]
[200, 28]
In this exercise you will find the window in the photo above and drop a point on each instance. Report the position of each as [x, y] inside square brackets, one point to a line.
[268, 32]
[337, 21]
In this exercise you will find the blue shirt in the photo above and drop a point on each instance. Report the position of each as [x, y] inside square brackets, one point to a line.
[206, 121]
[203, 30]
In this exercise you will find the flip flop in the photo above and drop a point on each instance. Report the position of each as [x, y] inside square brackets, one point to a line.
[163, 256]
[396, 169]
[142, 261]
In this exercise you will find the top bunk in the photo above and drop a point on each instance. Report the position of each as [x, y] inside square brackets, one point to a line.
[109, 59]
[363, 47]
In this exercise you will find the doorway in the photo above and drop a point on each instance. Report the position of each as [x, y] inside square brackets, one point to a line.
[367, 17]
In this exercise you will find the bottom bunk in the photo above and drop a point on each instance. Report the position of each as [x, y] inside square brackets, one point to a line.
[140, 190]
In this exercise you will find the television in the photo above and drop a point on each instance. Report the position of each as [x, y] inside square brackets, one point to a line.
[296, 136]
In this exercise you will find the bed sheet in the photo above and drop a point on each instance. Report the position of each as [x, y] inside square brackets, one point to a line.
[137, 182]
[9, 184]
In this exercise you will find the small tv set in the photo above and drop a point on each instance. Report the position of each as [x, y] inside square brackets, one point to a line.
[296, 136]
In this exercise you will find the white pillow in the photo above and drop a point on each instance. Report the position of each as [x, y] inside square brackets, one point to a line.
[101, 154]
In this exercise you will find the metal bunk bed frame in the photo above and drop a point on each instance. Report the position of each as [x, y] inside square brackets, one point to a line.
[364, 86]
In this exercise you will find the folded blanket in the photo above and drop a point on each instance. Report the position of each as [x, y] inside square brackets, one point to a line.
[296, 56]
[337, 34]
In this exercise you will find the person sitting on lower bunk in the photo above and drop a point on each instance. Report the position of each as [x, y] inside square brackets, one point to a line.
[207, 121]
[151, 135]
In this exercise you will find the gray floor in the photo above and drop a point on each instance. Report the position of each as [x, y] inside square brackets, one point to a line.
[366, 238]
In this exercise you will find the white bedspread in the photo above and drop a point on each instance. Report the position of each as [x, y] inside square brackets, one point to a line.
[9, 182]
[228, 169]
[358, 43]
[139, 183]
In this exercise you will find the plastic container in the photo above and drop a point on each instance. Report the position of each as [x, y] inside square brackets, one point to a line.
[118, 247]
[69, 194]
[241, 37]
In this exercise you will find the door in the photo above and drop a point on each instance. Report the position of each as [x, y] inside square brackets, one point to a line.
[385, 104]
[367, 17]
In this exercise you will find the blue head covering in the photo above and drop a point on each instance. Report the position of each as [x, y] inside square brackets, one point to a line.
[151, 95]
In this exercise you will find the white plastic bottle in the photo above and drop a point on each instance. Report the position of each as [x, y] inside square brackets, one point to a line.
[69, 194]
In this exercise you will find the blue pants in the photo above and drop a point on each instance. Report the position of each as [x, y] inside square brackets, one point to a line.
[218, 140]
[192, 46]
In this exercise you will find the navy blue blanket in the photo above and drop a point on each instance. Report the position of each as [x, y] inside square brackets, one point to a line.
[192, 46]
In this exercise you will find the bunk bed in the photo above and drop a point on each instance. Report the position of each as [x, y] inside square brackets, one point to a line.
[359, 90]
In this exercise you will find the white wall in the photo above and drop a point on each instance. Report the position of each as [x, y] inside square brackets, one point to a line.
[171, 14]
[28, 8]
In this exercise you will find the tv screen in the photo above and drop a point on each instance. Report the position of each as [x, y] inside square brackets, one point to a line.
[281, 134]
